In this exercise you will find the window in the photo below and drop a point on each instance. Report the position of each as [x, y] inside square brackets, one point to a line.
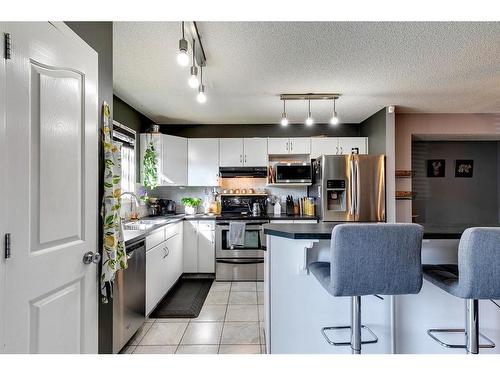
[126, 137]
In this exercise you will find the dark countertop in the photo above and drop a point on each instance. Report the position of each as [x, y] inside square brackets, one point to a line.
[319, 231]
[449, 231]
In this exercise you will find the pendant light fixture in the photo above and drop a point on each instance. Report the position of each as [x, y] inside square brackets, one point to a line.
[193, 81]
[309, 119]
[335, 119]
[201, 97]
[182, 56]
[284, 120]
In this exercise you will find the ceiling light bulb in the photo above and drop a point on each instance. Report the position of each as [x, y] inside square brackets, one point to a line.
[193, 81]
[284, 120]
[182, 57]
[201, 97]
[334, 120]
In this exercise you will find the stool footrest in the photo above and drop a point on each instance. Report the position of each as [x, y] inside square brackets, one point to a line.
[347, 343]
[431, 332]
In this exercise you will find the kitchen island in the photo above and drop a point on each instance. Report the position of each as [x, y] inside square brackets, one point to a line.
[297, 306]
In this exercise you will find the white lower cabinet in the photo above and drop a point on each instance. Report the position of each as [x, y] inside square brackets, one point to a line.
[199, 246]
[206, 251]
[164, 263]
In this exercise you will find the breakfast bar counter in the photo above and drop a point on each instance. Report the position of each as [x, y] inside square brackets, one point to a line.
[297, 306]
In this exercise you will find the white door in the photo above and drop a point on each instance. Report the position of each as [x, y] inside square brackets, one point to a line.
[203, 161]
[231, 152]
[324, 146]
[174, 160]
[156, 275]
[348, 144]
[278, 146]
[300, 145]
[206, 251]
[255, 154]
[51, 296]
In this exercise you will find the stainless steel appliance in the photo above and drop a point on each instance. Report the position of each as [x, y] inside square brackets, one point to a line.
[293, 172]
[349, 187]
[129, 296]
[241, 263]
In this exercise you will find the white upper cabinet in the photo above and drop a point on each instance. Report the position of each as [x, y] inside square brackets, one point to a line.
[203, 161]
[174, 163]
[337, 146]
[231, 152]
[295, 145]
[324, 146]
[255, 152]
[300, 145]
[145, 140]
[236, 152]
[348, 144]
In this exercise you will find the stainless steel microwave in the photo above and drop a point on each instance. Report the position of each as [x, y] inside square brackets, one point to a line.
[293, 172]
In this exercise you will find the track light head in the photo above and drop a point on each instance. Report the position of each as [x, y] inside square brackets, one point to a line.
[182, 56]
[201, 97]
[193, 80]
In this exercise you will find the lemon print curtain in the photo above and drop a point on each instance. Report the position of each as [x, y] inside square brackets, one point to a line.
[114, 257]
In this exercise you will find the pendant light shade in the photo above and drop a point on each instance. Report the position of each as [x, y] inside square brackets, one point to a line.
[182, 56]
[201, 97]
[284, 119]
[309, 120]
[335, 119]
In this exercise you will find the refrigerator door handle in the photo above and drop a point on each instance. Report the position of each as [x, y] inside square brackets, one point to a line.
[356, 167]
[353, 188]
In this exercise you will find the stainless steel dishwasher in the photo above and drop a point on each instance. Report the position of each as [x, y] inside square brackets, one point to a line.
[129, 296]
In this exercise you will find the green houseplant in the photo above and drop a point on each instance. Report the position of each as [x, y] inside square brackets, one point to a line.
[190, 205]
[150, 167]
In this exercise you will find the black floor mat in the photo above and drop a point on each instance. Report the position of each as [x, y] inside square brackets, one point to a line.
[184, 300]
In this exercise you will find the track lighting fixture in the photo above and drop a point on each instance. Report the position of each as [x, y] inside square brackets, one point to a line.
[201, 97]
[284, 120]
[193, 81]
[182, 56]
[309, 119]
[335, 119]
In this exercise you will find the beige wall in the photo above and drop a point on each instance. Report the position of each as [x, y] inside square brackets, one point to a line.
[436, 127]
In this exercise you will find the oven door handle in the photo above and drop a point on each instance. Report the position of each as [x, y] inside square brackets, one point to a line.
[240, 261]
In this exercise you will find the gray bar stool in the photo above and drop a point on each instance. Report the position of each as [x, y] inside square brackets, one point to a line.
[477, 276]
[370, 259]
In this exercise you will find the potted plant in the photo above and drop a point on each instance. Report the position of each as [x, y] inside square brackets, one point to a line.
[190, 205]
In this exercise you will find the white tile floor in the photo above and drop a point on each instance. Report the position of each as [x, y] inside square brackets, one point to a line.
[230, 322]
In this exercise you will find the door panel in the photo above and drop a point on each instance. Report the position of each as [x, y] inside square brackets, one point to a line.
[300, 145]
[56, 114]
[174, 160]
[51, 179]
[231, 152]
[206, 251]
[347, 144]
[255, 152]
[371, 188]
[278, 145]
[324, 146]
[203, 161]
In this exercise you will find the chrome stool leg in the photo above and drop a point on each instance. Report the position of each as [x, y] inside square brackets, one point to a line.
[471, 331]
[356, 328]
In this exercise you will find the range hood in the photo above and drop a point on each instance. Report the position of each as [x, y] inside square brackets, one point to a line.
[252, 172]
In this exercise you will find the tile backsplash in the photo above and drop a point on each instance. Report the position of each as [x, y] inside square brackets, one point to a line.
[176, 193]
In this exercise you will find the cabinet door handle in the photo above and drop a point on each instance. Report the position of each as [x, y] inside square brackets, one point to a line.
[286, 147]
[341, 150]
[291, 146]
[336, 150]
[245, 158]
[241, 158]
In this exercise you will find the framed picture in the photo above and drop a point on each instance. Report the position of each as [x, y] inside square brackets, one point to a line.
[436, 167]
[464, 168]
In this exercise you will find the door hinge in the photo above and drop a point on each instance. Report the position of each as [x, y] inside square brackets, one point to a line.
[7, 246]
[7, 48]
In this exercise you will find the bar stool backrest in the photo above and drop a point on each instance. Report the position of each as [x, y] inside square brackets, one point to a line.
[479, 263]
[369, 259]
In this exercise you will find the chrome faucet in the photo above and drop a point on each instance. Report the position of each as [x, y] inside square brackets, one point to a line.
[134, 199]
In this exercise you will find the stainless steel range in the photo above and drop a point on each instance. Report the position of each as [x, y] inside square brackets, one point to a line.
[246, 262]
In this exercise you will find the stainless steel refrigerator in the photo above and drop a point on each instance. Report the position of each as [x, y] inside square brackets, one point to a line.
[349, 187]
